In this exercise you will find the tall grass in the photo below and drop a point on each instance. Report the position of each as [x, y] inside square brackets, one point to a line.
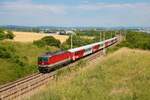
[123, 75]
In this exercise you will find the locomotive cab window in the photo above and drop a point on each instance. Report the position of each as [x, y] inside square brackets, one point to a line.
[41, 59]
[76, 53]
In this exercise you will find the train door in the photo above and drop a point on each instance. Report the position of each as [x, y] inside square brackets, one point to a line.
[101, 46]
[87, 51]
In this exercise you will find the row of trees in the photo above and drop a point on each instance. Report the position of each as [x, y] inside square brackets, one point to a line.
[139, 40]
[51, 41]
[133, 40]
[96, 33]
[78, 40]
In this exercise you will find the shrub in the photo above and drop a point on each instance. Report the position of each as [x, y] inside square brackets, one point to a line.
[5, 52]
[65, 46]
[2, 35]
[10, 35]
[21, 61]
[39, 43]
[48, 40]
[7, 35]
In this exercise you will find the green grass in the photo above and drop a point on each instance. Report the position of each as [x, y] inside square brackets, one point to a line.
[122, 75]
[23, 60]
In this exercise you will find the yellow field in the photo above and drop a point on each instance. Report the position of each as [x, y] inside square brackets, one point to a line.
[31, 36]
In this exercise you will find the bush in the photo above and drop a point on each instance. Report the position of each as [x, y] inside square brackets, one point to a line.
[39, 43]
[5, 52]
[2, 35]
[10, 35]
[49, 41]
[21, 61]
[7, 35]
[65, 46]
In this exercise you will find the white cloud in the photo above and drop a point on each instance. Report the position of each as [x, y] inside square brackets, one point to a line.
[28, 6]
[25, 11]
[99, 6]
[85, 2]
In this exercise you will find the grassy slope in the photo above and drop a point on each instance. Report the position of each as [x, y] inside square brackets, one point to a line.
[123, 75]
[10, 70]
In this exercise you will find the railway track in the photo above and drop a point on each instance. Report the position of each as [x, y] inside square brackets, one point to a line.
[17, 88]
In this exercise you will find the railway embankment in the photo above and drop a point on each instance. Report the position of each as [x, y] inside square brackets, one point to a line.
[18, 60]
[123, 74]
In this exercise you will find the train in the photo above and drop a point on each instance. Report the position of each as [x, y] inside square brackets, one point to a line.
[50, 61]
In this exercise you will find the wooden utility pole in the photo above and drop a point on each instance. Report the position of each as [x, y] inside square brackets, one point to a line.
[100, 36]
[111, 35]
[104, 36]
[104, 50]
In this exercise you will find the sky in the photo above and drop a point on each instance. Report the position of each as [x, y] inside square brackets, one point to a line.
[100, 13]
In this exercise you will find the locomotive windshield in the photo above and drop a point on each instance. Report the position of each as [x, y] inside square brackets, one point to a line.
[42, 59]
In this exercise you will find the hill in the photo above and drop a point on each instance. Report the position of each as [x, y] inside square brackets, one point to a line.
[122, 75]
[31, 36]
[19, 59]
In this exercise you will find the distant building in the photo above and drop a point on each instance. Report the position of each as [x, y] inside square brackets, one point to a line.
[66, 32]
[59, 32]
[62, 32]
[70, 32]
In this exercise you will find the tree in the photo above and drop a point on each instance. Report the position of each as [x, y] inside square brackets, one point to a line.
[37, 30]
[77, 41]
[137, 40]
[49, 41]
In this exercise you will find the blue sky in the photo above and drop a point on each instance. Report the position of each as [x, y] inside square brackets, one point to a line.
[102, 13]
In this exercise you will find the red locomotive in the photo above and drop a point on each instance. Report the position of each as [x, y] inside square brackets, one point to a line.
[50, 61]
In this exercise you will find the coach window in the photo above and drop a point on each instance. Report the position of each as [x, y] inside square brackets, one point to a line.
[100, 45]
[87, 49]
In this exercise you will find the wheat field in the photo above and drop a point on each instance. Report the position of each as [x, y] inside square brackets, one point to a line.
[31, 36]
